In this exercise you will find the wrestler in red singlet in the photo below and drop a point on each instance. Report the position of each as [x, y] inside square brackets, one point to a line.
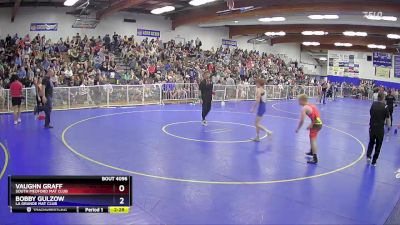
[315, 121]
[312, 112]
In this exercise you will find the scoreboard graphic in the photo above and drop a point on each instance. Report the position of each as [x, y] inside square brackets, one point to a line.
[69, 194]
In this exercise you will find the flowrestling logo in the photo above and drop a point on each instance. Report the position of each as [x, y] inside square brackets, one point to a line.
[148, 33]
[228, 42]
[44, 26]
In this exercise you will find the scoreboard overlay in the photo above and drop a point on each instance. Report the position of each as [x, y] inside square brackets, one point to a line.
[69, 194]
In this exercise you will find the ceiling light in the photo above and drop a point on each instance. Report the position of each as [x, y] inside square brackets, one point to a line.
[311, 43]
[352, 34]
[386, 18]
[377, 46]
[331, 17]
[236, 21]
[393, 36]
[323, 59]
[389, 18]
[280, 33]
[272, 19]
[343, 44]
[70, 2]
[200, 2]
[323, 17]
[162, 10]
[319, 33]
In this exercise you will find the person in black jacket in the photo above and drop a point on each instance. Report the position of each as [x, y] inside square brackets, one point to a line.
[47, 97]
[390, 100]
[378, 114]
[324, 87]
[206, 92]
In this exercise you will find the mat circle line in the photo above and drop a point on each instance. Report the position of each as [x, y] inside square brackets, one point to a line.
[164, 129]
[274, 106]
[70, 148]
[6, 158]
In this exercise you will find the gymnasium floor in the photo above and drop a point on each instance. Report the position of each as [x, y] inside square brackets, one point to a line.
[184, 173]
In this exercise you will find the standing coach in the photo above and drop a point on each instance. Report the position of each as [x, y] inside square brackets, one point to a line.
[206, 92]
[47, 93]
[378, 114]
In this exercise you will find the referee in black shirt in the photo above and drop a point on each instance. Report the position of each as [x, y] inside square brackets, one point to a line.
[47, 99]
[378, 114]
[206, 92]
[390, 100]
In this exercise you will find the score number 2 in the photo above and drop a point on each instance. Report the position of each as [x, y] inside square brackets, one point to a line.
[121, 188]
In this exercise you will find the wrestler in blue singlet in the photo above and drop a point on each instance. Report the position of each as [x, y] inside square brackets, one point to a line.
[261, 105]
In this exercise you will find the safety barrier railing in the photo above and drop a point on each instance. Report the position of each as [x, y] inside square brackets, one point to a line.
[248, 92]
[126, 95]
[173, 92]
[353, 92]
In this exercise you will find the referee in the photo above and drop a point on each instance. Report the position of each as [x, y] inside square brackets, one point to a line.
[390, 100]
[206, 92]
[47, 99]
[378, 114]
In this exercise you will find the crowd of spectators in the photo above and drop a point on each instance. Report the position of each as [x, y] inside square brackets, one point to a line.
[365, 90]
[117, 59]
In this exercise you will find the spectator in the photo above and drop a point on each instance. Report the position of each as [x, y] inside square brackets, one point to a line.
[16, 98]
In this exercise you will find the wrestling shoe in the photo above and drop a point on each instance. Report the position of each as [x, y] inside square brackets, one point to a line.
[256, 139]
[314, 160]
[204, 122]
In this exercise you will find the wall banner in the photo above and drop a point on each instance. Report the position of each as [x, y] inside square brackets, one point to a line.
[397, 66]
[148, 33]
[44, 27]
[382, 59]
[228, 42]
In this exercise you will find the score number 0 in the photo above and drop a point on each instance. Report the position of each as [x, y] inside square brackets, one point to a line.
[121, 188]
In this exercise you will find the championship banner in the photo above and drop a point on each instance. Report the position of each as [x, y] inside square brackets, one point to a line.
[228, 42]
[44, 27]
[382, 72]
[86, 23]
[382, 59]
[343, 64]
[148, 33]
[397, 66]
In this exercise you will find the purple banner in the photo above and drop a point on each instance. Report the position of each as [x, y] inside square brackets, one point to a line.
[397, 66]
[382, 59]
[44, 27]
